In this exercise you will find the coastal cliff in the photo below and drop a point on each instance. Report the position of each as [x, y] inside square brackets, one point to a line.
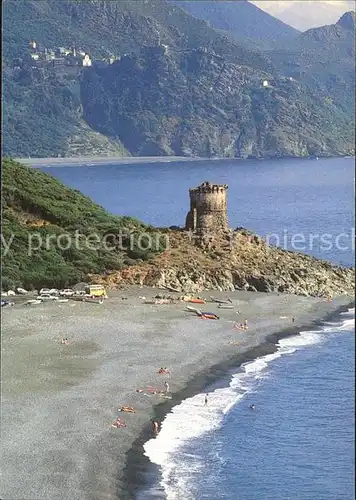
[196, 102]
[240, 261]
[162, 82]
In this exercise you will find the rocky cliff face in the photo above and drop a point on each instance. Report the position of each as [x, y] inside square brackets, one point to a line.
[196, 103]
[242, 261]
[186, 89]
[324, 59]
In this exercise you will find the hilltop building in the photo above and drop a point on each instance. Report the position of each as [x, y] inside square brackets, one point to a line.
[208, 208]
[86, 61]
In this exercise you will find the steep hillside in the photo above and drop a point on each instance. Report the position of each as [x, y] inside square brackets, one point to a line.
[56, 236]
[105, 28]
[164, 102]
[42, 117]
[242, 19]
[42, 112]
[199, 90]
[324, 59]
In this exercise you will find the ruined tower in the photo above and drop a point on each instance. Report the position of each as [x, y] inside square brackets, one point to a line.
[208, 209]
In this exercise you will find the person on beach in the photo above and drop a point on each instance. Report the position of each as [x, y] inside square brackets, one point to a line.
[119, 423]
[127, 409]
[166, 385]
[155, 427]
[293, 319]
[245, 324]
[206, 400]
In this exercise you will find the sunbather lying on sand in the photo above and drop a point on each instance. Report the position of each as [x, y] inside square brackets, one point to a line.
[164, 371]
[127, 409]
[208, 316]
[150, 390]
[240, 326]
[119, 423]
[65, 341]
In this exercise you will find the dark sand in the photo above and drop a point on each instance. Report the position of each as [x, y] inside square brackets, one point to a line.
[58, 402]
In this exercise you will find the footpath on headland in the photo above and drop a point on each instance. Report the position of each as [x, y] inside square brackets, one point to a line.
[59, 401]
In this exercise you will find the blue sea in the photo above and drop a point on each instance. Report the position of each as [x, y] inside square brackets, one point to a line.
[298, 442]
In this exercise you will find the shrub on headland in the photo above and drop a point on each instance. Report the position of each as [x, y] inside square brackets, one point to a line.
[54, 236]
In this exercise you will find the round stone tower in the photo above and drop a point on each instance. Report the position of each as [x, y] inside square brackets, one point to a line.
[208, 208]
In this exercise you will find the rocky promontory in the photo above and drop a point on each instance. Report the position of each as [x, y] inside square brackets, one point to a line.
[240, 261]
[42, 218]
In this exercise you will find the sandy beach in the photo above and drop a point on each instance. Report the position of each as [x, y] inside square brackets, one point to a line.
[59, 401]
[104, 160]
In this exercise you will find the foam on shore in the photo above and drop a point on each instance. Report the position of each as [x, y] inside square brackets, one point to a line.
[58, 402]
[175, 432]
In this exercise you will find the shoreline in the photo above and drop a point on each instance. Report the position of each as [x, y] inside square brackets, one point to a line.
[138, 466]
[103, 160]
[59, 402]
[117, 160]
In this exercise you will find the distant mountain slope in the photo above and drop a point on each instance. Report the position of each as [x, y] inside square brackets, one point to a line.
[242, 19]
[178, 86]
[42, 111]
[303, 14]
[324, 59]
[195, 103]
[114, 27]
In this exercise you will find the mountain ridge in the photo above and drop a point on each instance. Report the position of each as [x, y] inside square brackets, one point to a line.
[227, 111]
[241, 19]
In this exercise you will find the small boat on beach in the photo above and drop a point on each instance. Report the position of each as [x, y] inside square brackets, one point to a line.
[196, 301]
[32, 302]
[225, 306]
[221, 301]
[171, 289]
[194, 309]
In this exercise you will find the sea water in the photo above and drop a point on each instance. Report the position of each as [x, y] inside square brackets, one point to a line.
[297, 444]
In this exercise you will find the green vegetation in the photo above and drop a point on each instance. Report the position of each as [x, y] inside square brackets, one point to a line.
[56, 236]
[201, 96]
[42, 118]
[42, 107]
[165, 102]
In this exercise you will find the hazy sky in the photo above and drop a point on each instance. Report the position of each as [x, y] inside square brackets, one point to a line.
[304, 14]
